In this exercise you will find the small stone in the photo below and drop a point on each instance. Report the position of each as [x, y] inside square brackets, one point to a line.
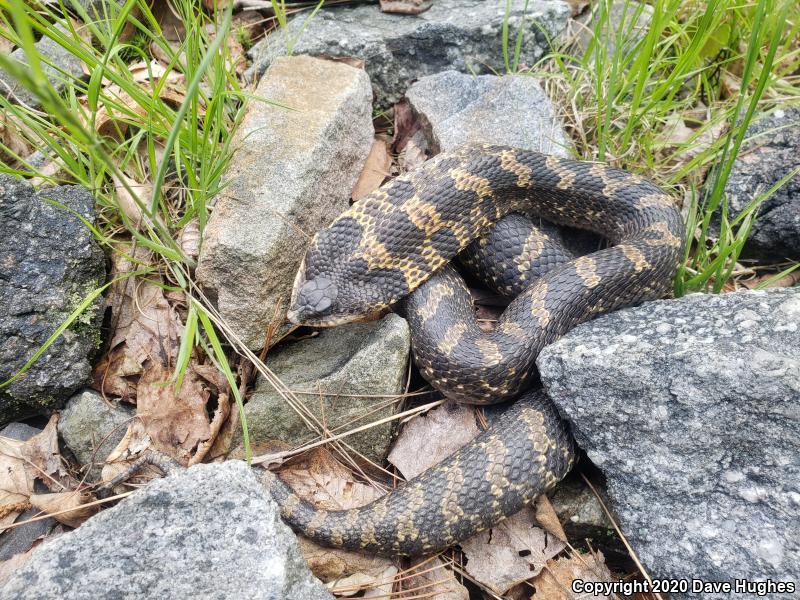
[361, 359]
[51, 262]
[456, 108]
[773, 152]
[92, 427]
[185, 536]
[63, 61]
[697, 439]
[291, 175]
[465, 35]
[580, 511]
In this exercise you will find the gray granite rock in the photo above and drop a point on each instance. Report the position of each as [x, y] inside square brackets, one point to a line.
[50, 264]
[207, 532]
[465, 35]
[92, 427]
[345, 361]
[58, 65]
[20, 539]
[690, 408]
[291, 175]
[455, 108]
[774, 152]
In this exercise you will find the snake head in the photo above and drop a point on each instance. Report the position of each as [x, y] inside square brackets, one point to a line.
[336, 284]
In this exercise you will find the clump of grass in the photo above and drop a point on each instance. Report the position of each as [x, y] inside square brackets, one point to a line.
[153, 157]
[703, 69]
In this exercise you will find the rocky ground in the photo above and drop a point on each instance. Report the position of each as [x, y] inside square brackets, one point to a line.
[686, 409]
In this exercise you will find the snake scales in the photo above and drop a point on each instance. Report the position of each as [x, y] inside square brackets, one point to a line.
[396, 244]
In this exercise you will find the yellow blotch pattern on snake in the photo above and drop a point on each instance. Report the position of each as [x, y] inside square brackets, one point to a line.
[399, 240]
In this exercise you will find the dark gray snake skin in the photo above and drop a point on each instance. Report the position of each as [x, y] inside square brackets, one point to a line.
[400, 238]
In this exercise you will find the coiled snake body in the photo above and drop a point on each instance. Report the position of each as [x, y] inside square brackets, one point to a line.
[400, 239]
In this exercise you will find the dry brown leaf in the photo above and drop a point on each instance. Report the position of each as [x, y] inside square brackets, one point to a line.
[117, 108]
[352, 61]
[379, 585]
[73, 502]
[414, 154]
[140, 363]
[326, 483]
[250, 23]
[50, 169]
[146, 328]
[189, 239]
[546, 516]
[428, 439]
[430, 579]
[178, 422]
[555, 580]
[787, 281]
[576, 6]
[172, 26]
[128, 192]
[383, 588]
[510, 553]
[11, 136]
[15, 484]
[405, 7]
[6, 46]
[334, 564]
[405, 125]
[22, 463]
[376, 169]
[110, 121]
[134, 444]
[153, 71]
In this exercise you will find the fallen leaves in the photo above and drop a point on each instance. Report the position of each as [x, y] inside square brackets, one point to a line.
[68, 508]
[431, 579]
[511, 552]
[554, 582]
[325, 482]
[22, 464]
[178, 418]
[428, 439]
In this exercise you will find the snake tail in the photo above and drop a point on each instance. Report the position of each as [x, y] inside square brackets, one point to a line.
[522, 455]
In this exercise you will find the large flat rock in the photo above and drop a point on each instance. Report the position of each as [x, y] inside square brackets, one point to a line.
[208, 532]
[291, 174]
[50, 263]
[691, 408]
[465, 35]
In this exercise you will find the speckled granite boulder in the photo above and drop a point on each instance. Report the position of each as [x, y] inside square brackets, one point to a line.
[465, 35]
[691, 409]
[50, 263]
[210, 531]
